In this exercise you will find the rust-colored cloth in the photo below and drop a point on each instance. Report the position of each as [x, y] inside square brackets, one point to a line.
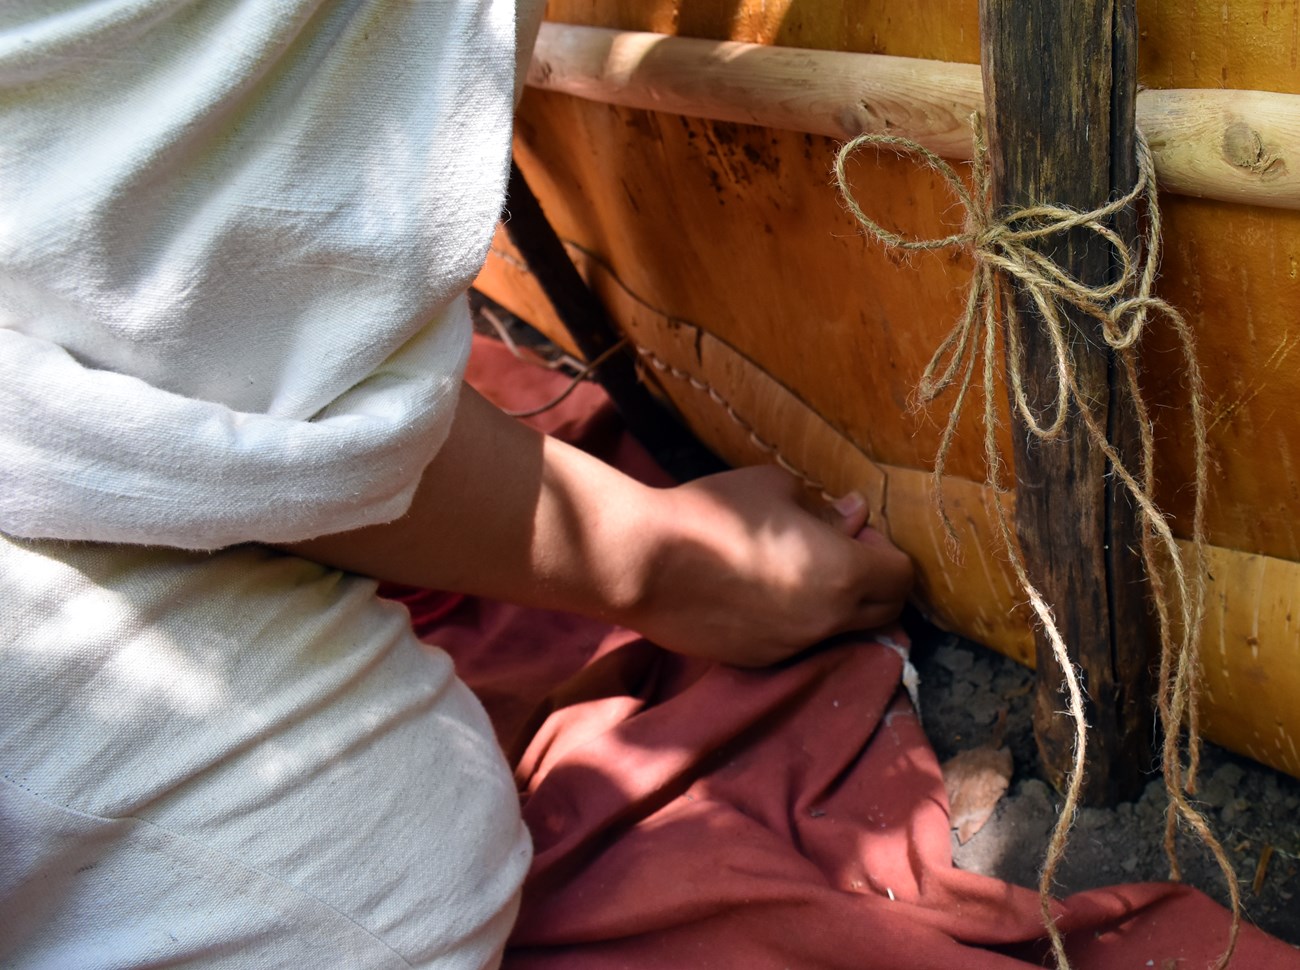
[689, 815]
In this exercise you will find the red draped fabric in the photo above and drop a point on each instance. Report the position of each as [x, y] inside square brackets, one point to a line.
[693, 815]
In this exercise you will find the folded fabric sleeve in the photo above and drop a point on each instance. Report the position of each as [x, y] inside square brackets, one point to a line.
[233, 250]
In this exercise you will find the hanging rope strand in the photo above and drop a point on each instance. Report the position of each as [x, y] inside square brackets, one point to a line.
[1123, 307]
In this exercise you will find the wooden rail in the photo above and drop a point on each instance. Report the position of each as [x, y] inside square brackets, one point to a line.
[1235, 146]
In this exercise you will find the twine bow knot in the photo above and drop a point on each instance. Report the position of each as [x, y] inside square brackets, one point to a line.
[1123, 306]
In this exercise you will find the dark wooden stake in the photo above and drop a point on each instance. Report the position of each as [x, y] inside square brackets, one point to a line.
[587, 322]
[1060, 87]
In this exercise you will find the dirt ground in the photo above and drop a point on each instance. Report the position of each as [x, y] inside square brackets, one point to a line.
[1255, 811]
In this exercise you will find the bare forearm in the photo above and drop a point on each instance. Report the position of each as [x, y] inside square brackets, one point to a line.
[729, 567]
[504, 512]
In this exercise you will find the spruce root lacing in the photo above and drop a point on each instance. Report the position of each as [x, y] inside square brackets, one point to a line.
[1122, 308]
[762, 444]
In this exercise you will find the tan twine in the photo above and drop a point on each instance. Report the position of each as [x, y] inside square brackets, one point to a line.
[1005, 243]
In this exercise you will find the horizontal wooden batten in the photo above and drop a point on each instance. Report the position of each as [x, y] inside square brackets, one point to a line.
[1233, 146]
[834, 93]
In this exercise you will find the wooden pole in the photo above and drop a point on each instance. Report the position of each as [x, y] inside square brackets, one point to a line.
[1060, 81]
[1235, 146]
[595, 335]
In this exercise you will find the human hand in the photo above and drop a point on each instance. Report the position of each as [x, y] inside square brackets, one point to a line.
[740, 572]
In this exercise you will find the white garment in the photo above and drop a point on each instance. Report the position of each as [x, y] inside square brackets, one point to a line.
[233, 235]
[233, 239]
[235, 761]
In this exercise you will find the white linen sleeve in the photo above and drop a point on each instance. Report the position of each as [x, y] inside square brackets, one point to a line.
[90, 454]
[234, 246]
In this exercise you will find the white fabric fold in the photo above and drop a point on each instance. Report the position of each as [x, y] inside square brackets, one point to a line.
[109, 458]
[233, 247]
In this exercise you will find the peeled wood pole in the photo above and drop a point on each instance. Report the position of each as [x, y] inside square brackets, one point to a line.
[1236, 146]
[1060, 87]
[596, 336]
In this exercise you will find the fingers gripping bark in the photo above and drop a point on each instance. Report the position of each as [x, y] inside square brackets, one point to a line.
[744, 574]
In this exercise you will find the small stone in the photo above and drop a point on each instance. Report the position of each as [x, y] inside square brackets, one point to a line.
[1216, 793]
[1150, 808]
[1155, 793]
[954, 659]
[1233, 810]
[1015, 677]
[1230, 774]
[980, 674]
[1130, 864]
[1036, 791]
[962, 691]
[983, 707]
[1091, 818]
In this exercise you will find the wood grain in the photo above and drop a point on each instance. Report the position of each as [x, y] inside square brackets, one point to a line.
[748, 237]
[817, 92]
[1234, 146]
[1241, 44]
[1252, 634]
[1060, 82]
[1237, 146]
[735, 229]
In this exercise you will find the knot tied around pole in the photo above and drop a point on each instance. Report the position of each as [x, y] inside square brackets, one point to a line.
[1012, 244]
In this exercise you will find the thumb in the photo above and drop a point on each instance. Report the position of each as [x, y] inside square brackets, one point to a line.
[848, 514]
